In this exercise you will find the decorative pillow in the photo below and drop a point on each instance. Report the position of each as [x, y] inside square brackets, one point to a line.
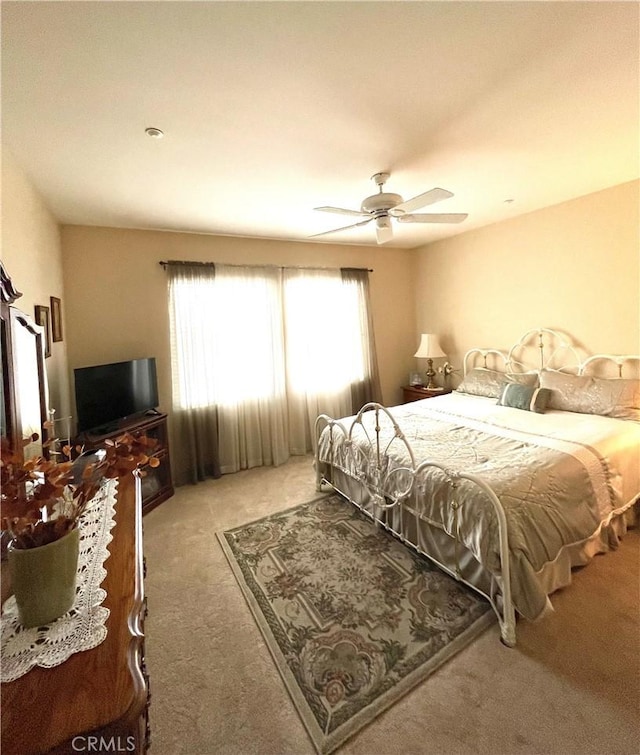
[524, 397]
[481, 381]
[609, 397]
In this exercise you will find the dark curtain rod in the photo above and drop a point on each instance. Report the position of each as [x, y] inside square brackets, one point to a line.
[166, 263]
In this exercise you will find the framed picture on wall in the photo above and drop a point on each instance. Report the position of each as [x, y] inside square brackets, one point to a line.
[42, 318]
[56, 319]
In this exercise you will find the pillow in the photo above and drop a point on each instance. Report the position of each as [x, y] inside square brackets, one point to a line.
[524, 397]
[609, 397]
[481, 381]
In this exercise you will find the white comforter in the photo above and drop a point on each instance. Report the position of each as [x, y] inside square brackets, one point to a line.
[558, 475]
[616, 441]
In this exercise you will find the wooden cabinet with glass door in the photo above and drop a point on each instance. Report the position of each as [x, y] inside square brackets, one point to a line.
[157, 483]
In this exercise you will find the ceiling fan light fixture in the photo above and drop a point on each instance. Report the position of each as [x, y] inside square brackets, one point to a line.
[384, 231]
[384, 206]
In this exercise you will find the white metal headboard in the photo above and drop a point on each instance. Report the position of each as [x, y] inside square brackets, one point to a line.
[546, 349]
[498, 359]
[611, 359]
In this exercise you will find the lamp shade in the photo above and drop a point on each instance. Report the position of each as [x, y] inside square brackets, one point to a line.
[429, 347]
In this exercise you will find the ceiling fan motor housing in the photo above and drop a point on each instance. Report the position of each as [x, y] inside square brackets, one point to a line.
[380, 202]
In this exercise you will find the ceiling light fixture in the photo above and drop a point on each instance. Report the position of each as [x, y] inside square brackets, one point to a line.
[154, 133]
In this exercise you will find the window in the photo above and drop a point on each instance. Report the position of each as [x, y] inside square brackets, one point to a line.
[269, 349]
[324, 350]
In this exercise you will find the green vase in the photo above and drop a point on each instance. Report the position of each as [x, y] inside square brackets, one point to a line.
[44, 579]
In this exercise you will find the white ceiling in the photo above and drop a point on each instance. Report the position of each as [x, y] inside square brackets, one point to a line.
[273, 108]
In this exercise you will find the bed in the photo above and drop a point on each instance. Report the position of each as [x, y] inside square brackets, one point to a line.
[528, 469]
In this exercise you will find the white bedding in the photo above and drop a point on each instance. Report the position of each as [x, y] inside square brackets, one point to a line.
[560, 476]
[616, 440]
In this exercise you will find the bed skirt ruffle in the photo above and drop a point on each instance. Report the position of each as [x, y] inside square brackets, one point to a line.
[531, 601]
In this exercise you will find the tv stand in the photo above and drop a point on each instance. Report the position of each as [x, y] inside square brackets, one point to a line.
[157, 484]
[105, 430]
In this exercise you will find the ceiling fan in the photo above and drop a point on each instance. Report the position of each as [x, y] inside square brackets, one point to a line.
[383, 206]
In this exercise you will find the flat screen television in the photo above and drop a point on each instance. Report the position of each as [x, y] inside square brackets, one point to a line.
[109, 393]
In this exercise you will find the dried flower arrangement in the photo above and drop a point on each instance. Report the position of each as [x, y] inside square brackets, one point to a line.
[42, 500]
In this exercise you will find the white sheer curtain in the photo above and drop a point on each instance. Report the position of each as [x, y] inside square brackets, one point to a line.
[249, 380]
[194, 417]
[322, 351]
[257, 354]
[227, 344]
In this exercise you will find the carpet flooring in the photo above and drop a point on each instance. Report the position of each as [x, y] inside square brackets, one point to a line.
[353, 619]
[571, 686]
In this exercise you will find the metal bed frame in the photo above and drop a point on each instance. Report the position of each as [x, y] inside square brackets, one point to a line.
[389, 487]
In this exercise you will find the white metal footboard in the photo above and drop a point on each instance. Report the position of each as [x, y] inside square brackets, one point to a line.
[389, 484]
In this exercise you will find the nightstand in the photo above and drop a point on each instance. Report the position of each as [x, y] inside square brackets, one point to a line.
[417, 392]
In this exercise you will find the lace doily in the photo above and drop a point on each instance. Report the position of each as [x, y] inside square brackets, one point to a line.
[81, 628]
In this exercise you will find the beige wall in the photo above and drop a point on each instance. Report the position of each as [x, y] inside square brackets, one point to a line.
[116, 297]
[32, 256]
[573, 266]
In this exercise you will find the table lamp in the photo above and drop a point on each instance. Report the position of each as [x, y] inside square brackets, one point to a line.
[429, 349]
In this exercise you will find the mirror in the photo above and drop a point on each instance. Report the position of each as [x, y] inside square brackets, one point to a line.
[24, 382]
[29, 379]
[5, 428]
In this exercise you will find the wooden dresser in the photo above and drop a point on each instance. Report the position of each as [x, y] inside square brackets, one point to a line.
[96, 701]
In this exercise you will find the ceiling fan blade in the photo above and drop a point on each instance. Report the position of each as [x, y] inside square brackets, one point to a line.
[433, 217]
[384, 234]
[342, 211]
[422, 200]
[344, 228]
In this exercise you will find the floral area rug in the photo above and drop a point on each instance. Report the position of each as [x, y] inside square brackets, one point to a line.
[352, 617]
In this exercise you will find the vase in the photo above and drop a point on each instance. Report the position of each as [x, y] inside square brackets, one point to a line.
[44, 579]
